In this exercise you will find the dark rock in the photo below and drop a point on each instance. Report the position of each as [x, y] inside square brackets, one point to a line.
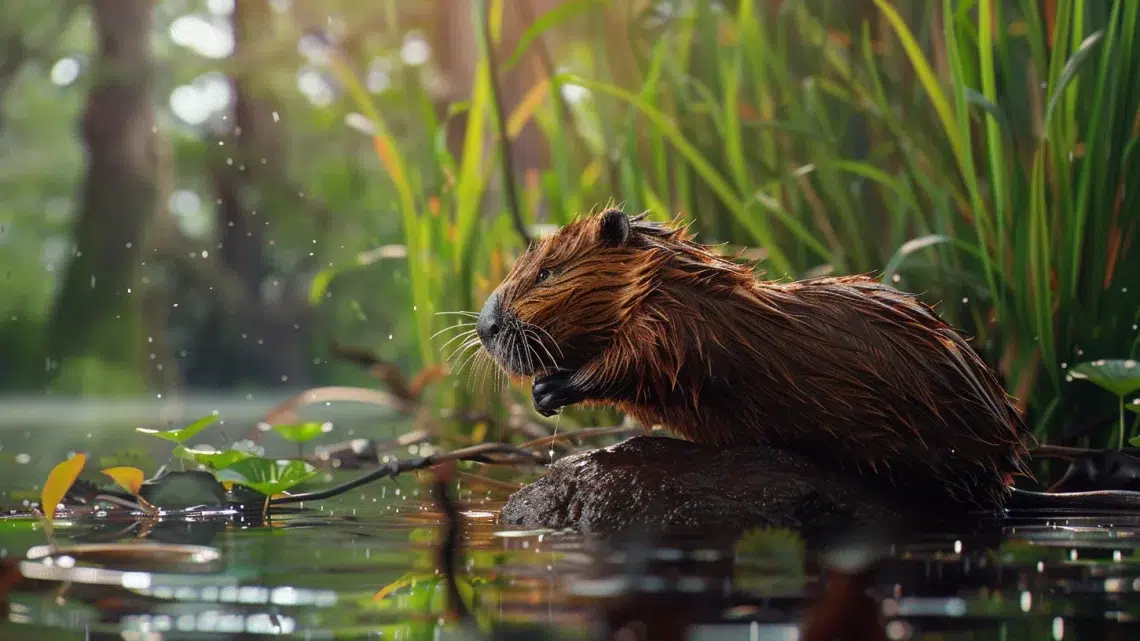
[680, 485]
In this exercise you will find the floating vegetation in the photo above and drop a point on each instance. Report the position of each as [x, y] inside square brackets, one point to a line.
[1121, 377]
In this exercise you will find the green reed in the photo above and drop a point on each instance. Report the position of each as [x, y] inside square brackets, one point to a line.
[979, 152]
[952, 150]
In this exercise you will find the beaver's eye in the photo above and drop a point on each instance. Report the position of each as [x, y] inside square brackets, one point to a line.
[543, 274]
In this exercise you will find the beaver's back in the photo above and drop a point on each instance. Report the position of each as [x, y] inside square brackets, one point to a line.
[847, 369]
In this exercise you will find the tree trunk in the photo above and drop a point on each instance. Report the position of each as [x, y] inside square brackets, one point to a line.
[263, 342]
[95, 325]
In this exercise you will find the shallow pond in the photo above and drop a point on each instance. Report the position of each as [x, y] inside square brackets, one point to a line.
[362, 566]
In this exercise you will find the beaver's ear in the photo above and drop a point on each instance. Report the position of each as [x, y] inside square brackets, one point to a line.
[613, 228]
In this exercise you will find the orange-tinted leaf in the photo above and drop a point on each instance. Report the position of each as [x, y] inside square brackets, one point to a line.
[384, 149]
[128, 478]
[526, 108]
[59, 481]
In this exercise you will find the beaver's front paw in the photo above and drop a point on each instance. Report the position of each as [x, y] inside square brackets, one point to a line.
[555, 391]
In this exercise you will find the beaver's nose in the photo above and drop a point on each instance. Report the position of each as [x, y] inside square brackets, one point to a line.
[490, 319]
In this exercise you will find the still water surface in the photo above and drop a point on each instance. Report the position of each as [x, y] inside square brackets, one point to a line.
[362, 566]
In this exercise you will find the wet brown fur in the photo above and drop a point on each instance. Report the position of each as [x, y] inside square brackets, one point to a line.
[846, 369]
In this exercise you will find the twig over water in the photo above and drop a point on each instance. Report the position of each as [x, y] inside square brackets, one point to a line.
[480, 453]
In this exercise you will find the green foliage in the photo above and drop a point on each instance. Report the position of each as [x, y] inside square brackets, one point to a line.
[982, 153]
[1121, 377]
[210, 458]
[302, 432]
[266, 476]
[832, 147]
[184, 434]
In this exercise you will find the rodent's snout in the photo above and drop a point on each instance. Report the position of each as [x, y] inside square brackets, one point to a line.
[490, 320]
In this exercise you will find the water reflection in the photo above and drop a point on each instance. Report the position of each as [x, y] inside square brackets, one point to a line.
[355, 568]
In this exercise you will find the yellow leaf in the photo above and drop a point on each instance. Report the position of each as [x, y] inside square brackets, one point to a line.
[128, 478]
[407, 579]
[526, 108]
[58, 482]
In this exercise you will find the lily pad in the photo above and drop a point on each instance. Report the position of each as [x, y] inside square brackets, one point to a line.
[182, 435]
[1121, 377]
[211, 458]
[266, 476]
[1134, 406]
[302, 432]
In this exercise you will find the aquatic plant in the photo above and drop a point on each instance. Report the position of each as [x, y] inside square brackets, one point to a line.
[184, 434]
[301, 433]
[59, 480]
[210, 458]
[1121, 377]
[131, 479]
[265, 476]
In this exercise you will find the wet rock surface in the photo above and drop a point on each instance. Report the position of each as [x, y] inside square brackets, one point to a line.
[679, 485]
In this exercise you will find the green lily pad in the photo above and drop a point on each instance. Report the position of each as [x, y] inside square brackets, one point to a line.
[182, 435]
[266, 476]
[1133, 406]
[302, 432]
[211, 458]
[1121, 377]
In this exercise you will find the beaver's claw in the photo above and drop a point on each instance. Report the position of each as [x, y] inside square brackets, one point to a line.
[555, 391]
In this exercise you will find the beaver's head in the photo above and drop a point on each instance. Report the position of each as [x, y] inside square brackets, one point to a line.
[568, 293]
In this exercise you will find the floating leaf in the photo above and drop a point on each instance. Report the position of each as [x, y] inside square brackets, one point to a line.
[265, 476]
[59, 481]
[302, 432]
[184, 434]
[211, 458]
[1133, 406]
[1121, 377]
[128, 478]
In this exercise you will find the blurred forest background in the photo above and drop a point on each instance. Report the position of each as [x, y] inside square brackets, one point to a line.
[208, 195]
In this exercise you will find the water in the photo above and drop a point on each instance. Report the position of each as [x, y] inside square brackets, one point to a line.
[362, 566]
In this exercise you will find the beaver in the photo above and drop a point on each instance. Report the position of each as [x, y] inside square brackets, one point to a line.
[616, 310]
